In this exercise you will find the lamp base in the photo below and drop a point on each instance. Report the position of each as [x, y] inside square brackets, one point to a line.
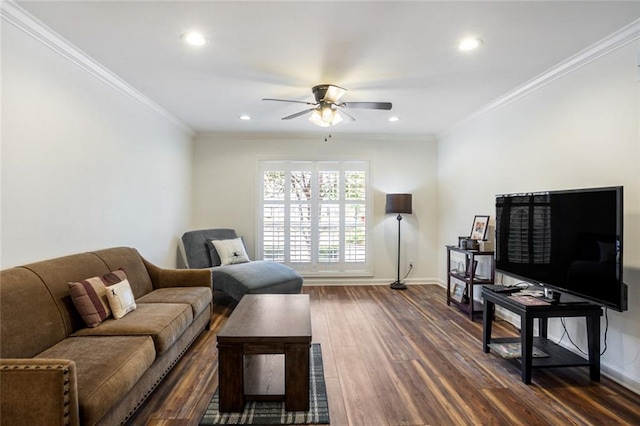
[397, 285]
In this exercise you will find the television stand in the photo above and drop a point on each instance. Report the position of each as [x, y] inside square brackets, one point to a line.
[558, 356]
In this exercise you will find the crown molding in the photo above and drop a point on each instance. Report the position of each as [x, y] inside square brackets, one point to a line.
[618, 39]
[27, 23]
[317, 136]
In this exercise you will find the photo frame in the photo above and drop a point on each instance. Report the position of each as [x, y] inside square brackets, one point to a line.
[479, 228]
[457, 293]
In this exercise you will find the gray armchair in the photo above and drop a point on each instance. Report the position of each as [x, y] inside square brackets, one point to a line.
[255, 277]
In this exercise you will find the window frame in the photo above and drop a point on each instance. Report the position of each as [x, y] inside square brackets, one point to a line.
[314, 267]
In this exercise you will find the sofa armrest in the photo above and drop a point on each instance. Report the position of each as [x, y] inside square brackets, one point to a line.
[38, 392]
[163, 278]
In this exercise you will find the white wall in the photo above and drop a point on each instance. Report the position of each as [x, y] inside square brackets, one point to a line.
[579, 131]
[83, 166]
[226, 175]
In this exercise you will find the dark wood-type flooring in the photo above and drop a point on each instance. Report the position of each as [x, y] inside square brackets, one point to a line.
[406, 358]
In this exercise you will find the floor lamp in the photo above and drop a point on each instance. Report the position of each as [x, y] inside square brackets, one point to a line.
[398, 203]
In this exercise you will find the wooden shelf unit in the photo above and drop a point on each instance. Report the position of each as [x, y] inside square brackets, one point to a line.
[468, 279]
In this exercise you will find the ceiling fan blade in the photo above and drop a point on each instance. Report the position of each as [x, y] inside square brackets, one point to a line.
[351, 118]
[367, 105]
[297, 114]
[289, 100]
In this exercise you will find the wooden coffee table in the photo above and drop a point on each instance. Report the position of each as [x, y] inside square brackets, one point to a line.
[266, 324]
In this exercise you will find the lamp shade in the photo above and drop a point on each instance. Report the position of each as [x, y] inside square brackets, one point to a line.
[399, 203]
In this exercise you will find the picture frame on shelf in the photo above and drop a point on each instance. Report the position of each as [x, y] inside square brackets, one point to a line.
[479, 228]
[465, 295]
[458, 268]
[457, 293]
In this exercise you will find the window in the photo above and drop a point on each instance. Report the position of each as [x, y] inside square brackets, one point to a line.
[315, 215]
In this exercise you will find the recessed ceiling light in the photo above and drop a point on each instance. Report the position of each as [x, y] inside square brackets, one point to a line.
[194, 38]
[245, 117]
[469, 43]
[394, 119]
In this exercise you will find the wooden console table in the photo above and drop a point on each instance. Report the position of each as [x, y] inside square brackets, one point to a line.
[558, 356]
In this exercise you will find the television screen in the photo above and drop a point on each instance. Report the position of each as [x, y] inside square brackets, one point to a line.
[568, 240]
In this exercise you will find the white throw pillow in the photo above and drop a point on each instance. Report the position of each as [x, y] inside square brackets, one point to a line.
[231, 251]
[121, 300]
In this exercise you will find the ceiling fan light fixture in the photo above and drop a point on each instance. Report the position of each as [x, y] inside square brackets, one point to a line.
[327, 113]
[337, 118]
[325, 116]
[326, 110]
[316, 118]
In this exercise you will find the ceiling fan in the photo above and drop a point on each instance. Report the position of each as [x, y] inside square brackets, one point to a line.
[327, 109]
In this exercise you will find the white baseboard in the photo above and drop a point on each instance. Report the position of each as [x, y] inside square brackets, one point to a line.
[363, 281]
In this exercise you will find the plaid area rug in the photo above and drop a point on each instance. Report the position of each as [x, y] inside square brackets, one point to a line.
[273, 413]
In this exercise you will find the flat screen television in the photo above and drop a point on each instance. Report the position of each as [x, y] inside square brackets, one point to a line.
[570, 241]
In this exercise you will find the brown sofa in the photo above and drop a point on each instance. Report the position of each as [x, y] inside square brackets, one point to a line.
[54, 370]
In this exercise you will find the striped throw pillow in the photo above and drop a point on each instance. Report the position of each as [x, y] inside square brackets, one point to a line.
[90, 297]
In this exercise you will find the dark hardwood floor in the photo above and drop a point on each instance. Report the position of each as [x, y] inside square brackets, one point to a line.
[406, 358]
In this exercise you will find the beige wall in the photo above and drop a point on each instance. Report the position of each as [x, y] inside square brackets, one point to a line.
[83, 166]
[226, 176]
[579, 131]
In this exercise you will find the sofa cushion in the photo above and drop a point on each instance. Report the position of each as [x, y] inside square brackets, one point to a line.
[130, 261]
[30, 320]
[121, 300]
[90, 297]
[58, 273]
[164, 322]
[107, 369]
[198, 297]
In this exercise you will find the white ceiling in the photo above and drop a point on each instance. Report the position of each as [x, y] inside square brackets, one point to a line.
[402, 52]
